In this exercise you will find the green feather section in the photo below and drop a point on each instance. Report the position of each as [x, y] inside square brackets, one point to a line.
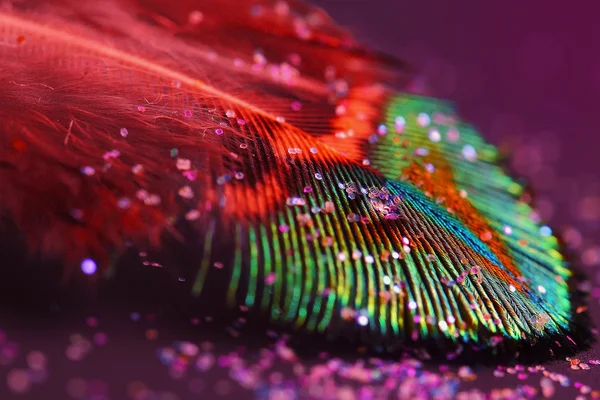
[353, 251]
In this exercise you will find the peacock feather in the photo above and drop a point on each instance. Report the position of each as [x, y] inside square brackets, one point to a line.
[322, 195]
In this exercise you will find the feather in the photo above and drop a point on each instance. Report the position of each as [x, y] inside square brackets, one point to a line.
[319, 196]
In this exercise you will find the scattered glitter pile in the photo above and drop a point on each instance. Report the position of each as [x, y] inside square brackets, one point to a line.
[276, 371]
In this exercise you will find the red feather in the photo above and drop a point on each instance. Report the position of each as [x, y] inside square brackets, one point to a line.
[74, 74]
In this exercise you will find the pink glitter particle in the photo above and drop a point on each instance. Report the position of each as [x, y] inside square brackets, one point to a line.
[100, 339]
[270, 279]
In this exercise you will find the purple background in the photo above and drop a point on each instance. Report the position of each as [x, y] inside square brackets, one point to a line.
[524, 72]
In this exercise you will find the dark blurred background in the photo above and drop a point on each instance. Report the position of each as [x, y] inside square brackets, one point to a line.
[527, 73]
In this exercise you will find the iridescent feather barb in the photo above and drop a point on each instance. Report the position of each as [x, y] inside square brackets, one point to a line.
[320, 197]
